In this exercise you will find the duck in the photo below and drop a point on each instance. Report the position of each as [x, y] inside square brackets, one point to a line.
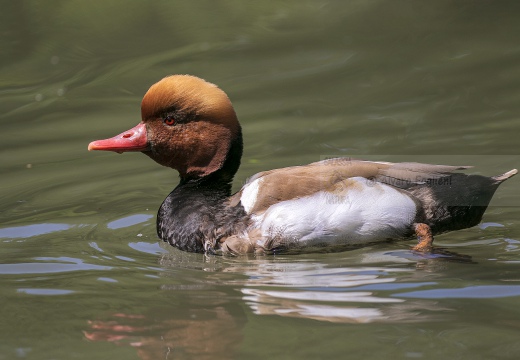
[189, 124]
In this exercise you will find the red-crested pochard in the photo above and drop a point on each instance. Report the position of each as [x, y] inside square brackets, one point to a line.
[189, 125]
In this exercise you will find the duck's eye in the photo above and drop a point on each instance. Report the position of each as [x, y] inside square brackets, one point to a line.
[169, 120]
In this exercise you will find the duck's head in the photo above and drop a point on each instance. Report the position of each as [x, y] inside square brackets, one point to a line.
[187, 124]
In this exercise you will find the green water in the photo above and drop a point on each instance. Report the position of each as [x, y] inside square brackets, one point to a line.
[82, 273]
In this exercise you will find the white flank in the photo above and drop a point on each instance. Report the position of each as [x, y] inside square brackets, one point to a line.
[363, 211]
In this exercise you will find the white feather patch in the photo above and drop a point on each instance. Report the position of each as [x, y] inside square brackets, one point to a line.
[250, 194]
[362, 211]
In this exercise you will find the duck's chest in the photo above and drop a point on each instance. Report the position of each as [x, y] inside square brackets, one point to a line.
[196, 220]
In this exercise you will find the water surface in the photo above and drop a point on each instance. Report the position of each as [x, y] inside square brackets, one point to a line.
[82, 273]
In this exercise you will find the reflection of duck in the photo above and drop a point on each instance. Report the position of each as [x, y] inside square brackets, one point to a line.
[324, 291]
[195, 334]
[208, 311]
[190, 125]
[339, 294]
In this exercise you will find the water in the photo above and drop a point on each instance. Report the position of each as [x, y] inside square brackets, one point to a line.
[82, 274]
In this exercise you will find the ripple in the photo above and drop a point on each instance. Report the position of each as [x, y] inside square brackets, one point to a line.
[129, 221]
[148, 248]
[54, 265]
[47, 292]
[27, 231]
[472, 292]
[349, 296]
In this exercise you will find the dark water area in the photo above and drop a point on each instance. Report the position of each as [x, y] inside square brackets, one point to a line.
[82, 272]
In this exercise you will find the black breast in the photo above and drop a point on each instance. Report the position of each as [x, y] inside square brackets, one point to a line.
[195, 216]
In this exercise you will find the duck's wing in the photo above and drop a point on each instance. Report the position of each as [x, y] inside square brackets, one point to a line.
[270, 187]
[404, 175]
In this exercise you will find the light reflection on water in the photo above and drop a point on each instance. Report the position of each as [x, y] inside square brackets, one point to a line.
[471, 292]
[26, 231]
[129, 221]
[49, 266]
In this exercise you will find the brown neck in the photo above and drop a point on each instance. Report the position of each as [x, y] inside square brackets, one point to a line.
[221, 169]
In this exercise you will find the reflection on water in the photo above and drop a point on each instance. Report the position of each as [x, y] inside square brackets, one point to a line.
[282, 287]
[198, 334]
[129, 221]
[45, 291]
[49, 265]
[31, 230]
[472, 292]
[320, 292]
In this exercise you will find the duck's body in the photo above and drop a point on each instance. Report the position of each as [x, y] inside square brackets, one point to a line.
[190, 125]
